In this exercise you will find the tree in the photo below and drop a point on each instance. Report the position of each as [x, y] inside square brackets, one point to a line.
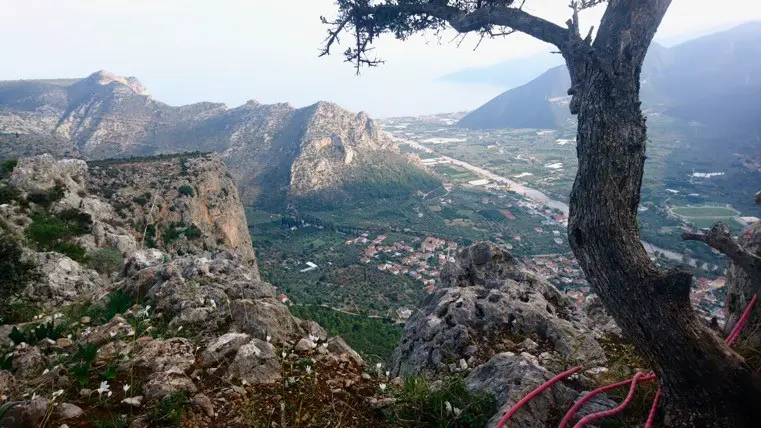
[704, 382]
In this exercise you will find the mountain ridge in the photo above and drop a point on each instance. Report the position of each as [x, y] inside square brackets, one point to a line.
[273, 150]
[687, 81]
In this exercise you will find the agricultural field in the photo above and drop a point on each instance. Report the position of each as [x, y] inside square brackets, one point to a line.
[705, 216]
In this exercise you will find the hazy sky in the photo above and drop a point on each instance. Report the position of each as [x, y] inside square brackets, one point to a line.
[232, 51]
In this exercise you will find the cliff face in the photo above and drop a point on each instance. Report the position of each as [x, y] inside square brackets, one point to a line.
[182, 204]
[272, 150]
[188, 319]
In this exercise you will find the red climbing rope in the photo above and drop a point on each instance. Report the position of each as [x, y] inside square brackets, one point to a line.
[653, 409]
[620, 408]
[741, 323]
[572, 411]
[639, 377]
[534, 393]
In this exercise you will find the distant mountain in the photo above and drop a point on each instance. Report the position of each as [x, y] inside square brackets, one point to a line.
[507, 74]
[715, 80]
[541, 103]
[273, 151]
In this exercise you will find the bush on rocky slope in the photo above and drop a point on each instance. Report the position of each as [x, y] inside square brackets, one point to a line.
[16, 272]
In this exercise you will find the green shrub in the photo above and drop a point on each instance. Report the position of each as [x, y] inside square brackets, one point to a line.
[105, 261]
[186, 190]
[118, 303]
[71, 250]
[141, 200]
[50, 233]
[6, 168]
[417, 404]
[169, 411]
[8, 194]
[15, 274]
[79, 223]
[47, 197]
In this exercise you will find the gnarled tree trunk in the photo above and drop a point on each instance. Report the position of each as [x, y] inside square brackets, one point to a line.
[705, 383]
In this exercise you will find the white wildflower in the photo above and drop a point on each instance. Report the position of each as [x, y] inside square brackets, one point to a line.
[456, 411]
[45, 372]
[448, 406]
[134, 401]
[284, 354]
[103, 388]
[388, 373]
[382, 387]
[179, 329]
[68, 336]
[309, 369]
[112, 333]
[3, 398]
[57, 394]
[34, 396]
[269, 338]
[110, 393]
[125, 387]
[243, 382]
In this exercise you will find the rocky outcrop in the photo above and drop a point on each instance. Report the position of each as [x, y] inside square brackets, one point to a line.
[182, 204]
[741, 288]
[502, 327]
[63, 280]
[40, 173]
[489, 304]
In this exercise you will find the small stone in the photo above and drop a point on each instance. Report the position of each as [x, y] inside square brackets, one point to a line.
[304, 345]
[529, 345]
[85, 320]
[366, 376]
[68, 411]
[64, 342]
[202, 402]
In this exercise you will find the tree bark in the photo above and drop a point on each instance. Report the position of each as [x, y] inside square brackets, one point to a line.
[705, 383]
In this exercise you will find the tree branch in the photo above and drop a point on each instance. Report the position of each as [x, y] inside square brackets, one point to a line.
[406, 18]
[720, 238]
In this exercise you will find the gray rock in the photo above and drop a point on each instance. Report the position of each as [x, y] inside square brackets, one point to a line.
[43, 172]
[28, 362]
[598, 317]
[162, 384]
[304, 345]
[203, 403]
[508, 378]
[161, 355]
[63, 279]
[35, 411]
[64, 411]
[338, 346]
[265, 317]
[117, 328]
[222, 348]
[256, 363]
[7, 383]
[488, 295]
[143, 259]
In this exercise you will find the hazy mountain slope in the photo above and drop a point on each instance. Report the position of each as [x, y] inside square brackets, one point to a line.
[714, 79]
[507, 74]
[272, 150]
[541, 103]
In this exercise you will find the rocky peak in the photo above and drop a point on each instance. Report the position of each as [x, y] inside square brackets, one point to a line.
[104, 78]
